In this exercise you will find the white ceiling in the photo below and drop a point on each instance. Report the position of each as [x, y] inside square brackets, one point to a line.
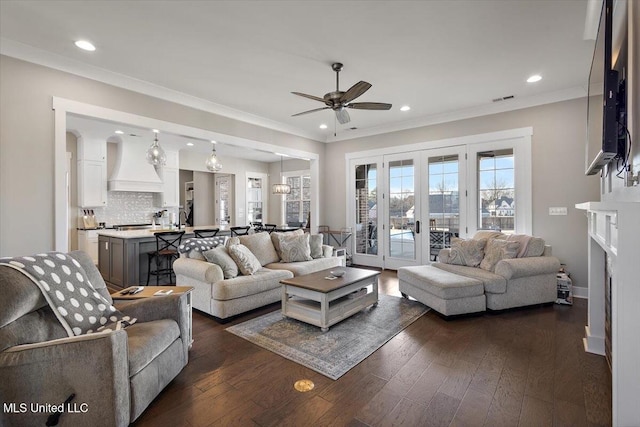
[446, 59]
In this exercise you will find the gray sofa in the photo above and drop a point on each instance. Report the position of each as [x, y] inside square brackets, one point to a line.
[223, 298]
[454, 289]
[116, 374]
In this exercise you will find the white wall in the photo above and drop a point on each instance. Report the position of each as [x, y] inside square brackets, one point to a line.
[558, 143]
[27, 142]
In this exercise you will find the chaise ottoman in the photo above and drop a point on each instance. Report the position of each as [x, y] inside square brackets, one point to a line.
[448, 293]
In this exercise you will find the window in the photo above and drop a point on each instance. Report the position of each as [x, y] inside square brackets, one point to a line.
[496, 190]
[297, 204]
[366, 209]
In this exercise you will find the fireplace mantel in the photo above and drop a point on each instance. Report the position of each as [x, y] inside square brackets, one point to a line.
[614, 229]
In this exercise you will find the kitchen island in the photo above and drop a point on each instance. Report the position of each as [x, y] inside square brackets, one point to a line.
[123, 255]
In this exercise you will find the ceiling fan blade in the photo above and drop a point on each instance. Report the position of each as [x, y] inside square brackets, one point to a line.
[311, 111]
[369, 106]
[343, 116]
[315, 98]
[355, 91]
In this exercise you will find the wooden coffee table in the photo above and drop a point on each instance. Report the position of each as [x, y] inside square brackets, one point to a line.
[320, 301]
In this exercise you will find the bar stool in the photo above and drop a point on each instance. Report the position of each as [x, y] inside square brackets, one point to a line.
[240, 230]
[209, 232]
[269, 228]
[257, 226]
[167, 243]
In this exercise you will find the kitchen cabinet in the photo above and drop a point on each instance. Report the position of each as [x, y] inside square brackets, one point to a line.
[92, 173]
[92, 183]
[111, 261]
[170, 186]
[88, 242]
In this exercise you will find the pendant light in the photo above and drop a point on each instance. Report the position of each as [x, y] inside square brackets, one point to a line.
[281, 189]
[212, 163]
[155, 154]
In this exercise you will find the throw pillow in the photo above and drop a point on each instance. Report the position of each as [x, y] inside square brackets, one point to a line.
[497, 250]
[246, 261]
[276, 236]
[260, 245]
[466, 252]
[196, 246]
[295, 248]
[529, 246]
[315, 244]
[232, 241]
[221, 257]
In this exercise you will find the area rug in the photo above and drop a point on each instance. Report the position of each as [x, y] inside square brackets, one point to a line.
[345, 345]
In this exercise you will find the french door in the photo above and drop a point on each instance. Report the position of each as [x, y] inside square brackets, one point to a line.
[407, 206]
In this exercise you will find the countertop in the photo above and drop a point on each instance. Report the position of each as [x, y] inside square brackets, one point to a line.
[141, 234]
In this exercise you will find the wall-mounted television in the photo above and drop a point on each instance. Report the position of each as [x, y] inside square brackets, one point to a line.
[602, 127]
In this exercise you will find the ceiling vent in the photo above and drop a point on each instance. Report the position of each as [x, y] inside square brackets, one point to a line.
[504, 98]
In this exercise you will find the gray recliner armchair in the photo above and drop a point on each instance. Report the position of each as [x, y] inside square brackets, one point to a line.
[114, 376]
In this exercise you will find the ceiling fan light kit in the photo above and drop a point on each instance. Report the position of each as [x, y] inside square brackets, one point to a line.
[339, 101]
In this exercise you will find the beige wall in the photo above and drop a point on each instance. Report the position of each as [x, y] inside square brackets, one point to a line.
[558, 144]
[27, 142]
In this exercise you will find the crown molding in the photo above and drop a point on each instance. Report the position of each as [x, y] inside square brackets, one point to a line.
[37, 56]
[478, 111]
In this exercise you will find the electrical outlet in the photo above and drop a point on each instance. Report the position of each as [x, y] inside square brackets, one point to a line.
[558, 210]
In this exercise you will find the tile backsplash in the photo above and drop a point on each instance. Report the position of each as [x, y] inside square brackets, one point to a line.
[129, 207]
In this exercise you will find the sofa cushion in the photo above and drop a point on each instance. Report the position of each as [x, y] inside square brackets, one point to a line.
[468, 252]
[315, 244]
[276, 236]
[260, 245]
[489, 234]
[306, 267]
[440, 283]
[242, 286]
[492, 282]
[295, 248]
[221, 257]
[497, 250]
[246, 261]
[147, 340]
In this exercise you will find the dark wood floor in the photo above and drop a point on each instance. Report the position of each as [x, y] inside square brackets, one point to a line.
[518, 368]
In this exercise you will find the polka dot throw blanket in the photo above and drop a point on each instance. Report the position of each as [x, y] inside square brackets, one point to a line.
[64, 284]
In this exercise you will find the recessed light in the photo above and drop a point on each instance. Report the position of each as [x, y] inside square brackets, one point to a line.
[323, 126]
[534, 78]
[85, 45]
[119, 132]
[190, 144]
[405, 108]
[155, 131]
[213, 142]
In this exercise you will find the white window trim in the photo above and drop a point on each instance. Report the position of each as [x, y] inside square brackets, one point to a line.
[283, 180]
[519, 139]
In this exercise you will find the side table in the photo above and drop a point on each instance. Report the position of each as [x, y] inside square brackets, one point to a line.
[150, 290]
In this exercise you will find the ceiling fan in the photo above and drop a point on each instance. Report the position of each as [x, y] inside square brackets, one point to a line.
[339, 101]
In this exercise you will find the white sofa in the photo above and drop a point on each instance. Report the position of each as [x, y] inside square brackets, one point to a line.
[224, 298]
[454, 289]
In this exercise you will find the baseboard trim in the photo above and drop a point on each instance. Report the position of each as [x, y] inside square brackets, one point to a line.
[580, 292]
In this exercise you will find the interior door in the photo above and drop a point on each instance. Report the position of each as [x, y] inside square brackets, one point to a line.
[445, 202]
[402, 213]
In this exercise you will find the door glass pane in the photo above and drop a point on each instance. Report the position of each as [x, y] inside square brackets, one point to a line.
[444, 202]
[366, 209]
[254, 200]
[224, 199]
[496, 191]
[401, 209]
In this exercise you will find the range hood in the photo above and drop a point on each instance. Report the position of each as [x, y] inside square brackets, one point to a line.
[132, 172]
